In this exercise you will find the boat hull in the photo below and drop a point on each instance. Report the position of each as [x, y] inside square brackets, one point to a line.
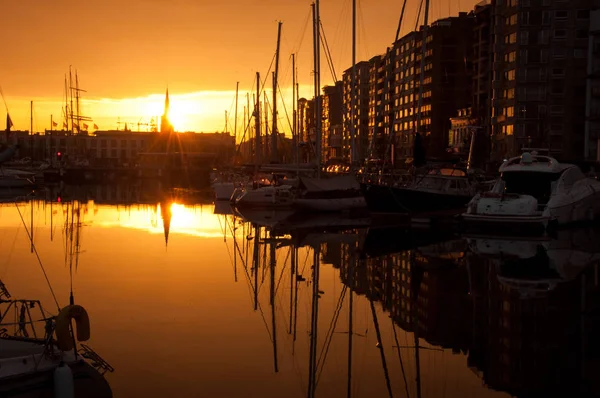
[514, 225]
[223, 190]
[332, 204]
[386, 199]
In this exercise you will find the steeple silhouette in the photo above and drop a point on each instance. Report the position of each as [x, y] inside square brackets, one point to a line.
[165, 123]
[166, 214]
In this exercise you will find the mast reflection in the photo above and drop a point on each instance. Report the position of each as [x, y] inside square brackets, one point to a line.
[522, 313]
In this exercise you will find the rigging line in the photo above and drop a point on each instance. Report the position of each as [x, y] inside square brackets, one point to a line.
[287, 116]
[38, 258]
[328, 53]
[362, 24]
[303, 32]
[3, 99]
[329, 335]
[419, 16]
[400, 359]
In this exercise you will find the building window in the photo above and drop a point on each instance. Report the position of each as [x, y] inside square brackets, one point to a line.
[561, 14]
[512, 20]
[559, 53]
[546, 3]
[583, 14]
[509, 75]
[545, 17]
[509, 111]
[556, 109]
[579, 53]
[581, 34]
[560, 34]
[558, 87]
[543, 36]
[510, 57]
[524, 37]
[525, 18]
[507, 129]
[511, 38]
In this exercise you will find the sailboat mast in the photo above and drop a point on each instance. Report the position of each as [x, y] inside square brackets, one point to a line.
[294, 115]
[350, 324]
[353, 91]
[31, 131]
[237, 87]
[71, 97]
[274, 154]
[257, 123]
[77, 102]
[266, 109]
[273, 258]
[312, 383]
[317, 82]
[381, 352]
[422, 75]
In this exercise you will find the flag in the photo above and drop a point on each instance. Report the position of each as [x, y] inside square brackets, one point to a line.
[9, 122]
[95, 126]
[85, 126]
[54, 124]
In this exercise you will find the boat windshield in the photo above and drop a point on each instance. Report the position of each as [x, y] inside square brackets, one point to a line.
[537, 184]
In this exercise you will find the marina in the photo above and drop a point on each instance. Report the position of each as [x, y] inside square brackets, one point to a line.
[249, 200]
[410, 302]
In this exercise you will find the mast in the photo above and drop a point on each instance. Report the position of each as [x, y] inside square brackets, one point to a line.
[350, 325]
[273, 258]
[237, 87]
[31, 131]
[422, 75]
[257, 123]
[266, 109]
[353, 91]
[77, 102]
[317, 82]
[381, 352]
[274, 154]
[294, 115]
[312, 384]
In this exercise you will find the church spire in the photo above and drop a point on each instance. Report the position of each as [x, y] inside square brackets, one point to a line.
[165, 123]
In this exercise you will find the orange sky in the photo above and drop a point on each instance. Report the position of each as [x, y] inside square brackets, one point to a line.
[131, 49]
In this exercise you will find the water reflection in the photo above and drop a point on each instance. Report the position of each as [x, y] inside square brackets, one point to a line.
[267, 303]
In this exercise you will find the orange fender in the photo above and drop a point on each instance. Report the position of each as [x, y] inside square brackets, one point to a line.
[63, 324]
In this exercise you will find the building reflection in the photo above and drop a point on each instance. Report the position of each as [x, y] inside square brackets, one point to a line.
[526, 322]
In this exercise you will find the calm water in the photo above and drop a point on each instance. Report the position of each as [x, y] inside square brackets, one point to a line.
[188, 303]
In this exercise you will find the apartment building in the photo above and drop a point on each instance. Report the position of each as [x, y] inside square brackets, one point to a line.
[540, 73]
[356, 113]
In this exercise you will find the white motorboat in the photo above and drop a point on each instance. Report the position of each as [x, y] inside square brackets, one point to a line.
[536, 190]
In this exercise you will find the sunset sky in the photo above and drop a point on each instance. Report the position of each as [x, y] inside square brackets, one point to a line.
[127, 52]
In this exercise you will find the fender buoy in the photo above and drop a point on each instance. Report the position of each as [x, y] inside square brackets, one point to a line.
[63, 323]
[64, 386]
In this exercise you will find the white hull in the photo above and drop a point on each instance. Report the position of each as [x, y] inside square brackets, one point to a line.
[223, 190]
[581, 204]
[271, 196]
[332, 205]
[505, 219]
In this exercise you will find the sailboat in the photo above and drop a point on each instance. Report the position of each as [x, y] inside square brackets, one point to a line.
[42, 354]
